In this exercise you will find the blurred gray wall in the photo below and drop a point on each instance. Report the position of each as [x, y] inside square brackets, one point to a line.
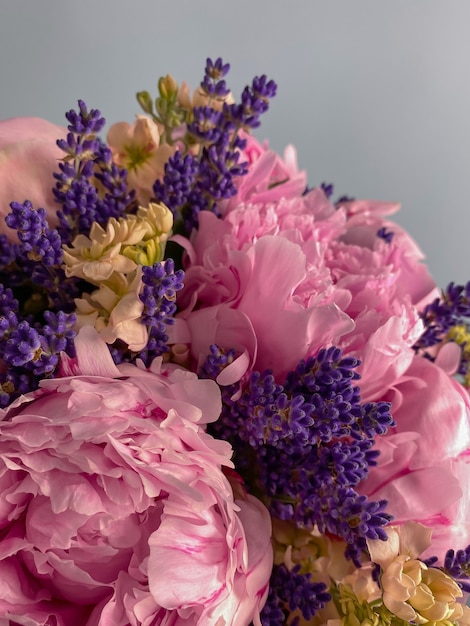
[375, 94]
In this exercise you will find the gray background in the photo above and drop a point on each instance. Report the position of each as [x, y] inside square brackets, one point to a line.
[375, 94]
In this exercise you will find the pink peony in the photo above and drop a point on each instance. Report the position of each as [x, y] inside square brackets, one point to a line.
[387, 284]
[114, 509]
[28, 158]
[260, 282]
[424, 466]
[303, 264]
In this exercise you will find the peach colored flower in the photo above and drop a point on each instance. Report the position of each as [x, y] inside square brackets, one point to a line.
[137, 147]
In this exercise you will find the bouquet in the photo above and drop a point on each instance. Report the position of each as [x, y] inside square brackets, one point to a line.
[227, 397]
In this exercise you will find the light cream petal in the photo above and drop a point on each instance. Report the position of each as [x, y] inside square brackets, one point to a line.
[84, 307]
[97, 234]
[422, 599]
[87, 320]
[123, 264]
[81, 241]
[400, 609]
[414, 539]
[129, 307]
[384, 552]
[437, 612]
[105, 298]
[97, 271]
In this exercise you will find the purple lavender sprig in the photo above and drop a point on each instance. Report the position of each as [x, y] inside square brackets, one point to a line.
[385, 234]
[34, 329]
[87, 158]
[38, 242]
[441, 318]
[30, 351]
[443, 313]
[289, 591]
[194, 183]
[160, 284]
[212, 83]
[35, 263]
[36, 347]
[310, 440]
[456, 565]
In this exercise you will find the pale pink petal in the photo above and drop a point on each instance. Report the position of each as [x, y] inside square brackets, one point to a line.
[92, 356]
[420, 494]
[197, 550]
[279, 267]
[448, 358]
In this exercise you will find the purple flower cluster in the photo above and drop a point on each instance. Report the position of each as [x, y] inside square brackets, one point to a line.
[443, 313]
[36, 323]
[441, 316]
[161, 283]
[38, 242]
[88, 158]
[30, 349]
[327, 188]
[457, 566]
[35, 319]
[193, 184]
[312, 439]
[35, 263]
[385, 234]
[290, 591]
[212, 83]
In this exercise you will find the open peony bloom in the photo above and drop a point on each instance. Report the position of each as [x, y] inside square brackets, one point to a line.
[28, 158]
[319, 270]
[113, 505]
[423, 470]
[412, 591]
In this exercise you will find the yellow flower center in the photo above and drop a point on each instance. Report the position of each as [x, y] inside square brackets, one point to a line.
[136, 155]
[460, 334]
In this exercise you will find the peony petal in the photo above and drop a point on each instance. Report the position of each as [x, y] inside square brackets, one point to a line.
[93, 357]
[198, 553]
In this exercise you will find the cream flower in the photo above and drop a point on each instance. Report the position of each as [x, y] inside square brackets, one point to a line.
[412, 591]
[362, 584]
[115, 311]
[124, 243]
[97, 257]
[158, 222]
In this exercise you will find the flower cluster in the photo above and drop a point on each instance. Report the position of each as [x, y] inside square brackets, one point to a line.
[312, 437]
[227, 399]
